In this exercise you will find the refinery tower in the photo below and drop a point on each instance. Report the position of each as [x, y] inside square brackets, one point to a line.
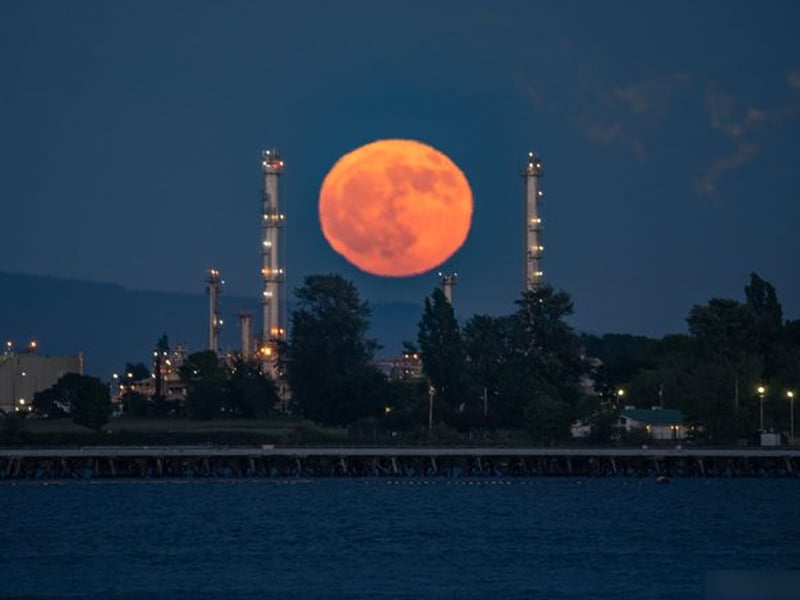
[272, 272]
[533, 223]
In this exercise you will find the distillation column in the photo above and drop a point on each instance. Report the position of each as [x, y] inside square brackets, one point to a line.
[533, 223]
[271, 271]
[448, 281]
[245, 322]
[214, 319]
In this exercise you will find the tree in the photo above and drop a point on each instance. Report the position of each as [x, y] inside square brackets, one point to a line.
[328, 357]
[762, 301]
[204, 364]
[544, 355]
[442, 350]
[136, 404]
[621, 357]
[724, 329]
[208, 390]
[487, 349]
[138, 371]
[49, 403]
[251, 393]
[736, 346]
[547, 416]
[86, 398]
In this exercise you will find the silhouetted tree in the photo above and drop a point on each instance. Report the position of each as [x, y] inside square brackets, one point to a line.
[328, 358]
[208, 389]
[487, 346]
[442, 351]
[547, 416]
[86, 398]
[544, 362]
[138, 371]
[251, 394]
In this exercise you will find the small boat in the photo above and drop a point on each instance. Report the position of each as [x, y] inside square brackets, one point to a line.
[662, 479]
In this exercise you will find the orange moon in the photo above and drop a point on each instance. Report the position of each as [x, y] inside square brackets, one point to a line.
[395, 208]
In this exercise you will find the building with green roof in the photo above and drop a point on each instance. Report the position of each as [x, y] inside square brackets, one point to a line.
[659, 423]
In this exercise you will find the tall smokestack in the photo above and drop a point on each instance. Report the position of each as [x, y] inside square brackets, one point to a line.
[448, 280]
[533, 223]
[214, 319]
[245, 323]
[271, 270]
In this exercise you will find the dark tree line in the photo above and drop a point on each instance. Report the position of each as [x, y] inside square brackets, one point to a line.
[526, 370]
[236, 388]
[712, 372]
[531, 370]
[85, 398]
[517, 371]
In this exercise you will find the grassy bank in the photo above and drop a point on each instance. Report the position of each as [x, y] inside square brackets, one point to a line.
[167, 431]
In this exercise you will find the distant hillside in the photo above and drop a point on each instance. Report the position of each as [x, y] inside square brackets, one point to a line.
[112, 325]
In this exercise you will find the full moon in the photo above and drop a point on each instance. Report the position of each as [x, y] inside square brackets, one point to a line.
[395, 208]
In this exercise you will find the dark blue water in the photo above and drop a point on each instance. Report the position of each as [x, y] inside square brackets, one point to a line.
[535, 538]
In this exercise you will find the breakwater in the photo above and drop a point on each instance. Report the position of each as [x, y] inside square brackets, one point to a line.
[121, 462]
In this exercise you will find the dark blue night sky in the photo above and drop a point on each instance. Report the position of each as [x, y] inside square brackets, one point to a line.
[130, 139]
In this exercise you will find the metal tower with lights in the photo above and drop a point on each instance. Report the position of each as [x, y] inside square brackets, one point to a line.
[214, 282]
[448, 280]
[271, 270]
[533, 223]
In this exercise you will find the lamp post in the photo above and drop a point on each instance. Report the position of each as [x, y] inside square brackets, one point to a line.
[431, 394]
[761, 391]
[620, 395]
[790, 396]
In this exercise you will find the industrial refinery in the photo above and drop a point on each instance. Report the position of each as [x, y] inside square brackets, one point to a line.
[273, 272]
[23, 372]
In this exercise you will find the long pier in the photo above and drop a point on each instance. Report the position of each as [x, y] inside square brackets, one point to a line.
[165, 462]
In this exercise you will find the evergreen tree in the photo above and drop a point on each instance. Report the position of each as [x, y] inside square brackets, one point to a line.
[208, 387]
[545, 364]
[328, 358]
[442, 351]
[486, 344]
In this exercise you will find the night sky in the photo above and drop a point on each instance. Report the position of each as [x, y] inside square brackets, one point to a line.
[131, 132]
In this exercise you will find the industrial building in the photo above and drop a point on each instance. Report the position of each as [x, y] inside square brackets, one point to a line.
[23, 374]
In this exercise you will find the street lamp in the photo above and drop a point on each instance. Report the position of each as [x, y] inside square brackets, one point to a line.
[761, 391]
[620, 395]
[431, 394]
[790, 396]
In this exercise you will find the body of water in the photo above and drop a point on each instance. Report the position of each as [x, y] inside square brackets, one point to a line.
[432, 538]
